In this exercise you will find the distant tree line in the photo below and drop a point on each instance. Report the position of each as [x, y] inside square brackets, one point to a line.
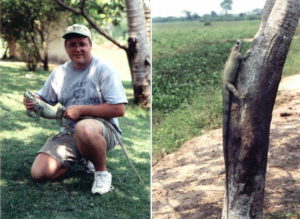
[213, 16]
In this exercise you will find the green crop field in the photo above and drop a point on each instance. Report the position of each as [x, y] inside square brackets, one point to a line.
[188, 60]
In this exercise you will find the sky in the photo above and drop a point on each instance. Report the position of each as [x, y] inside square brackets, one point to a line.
[164, 8]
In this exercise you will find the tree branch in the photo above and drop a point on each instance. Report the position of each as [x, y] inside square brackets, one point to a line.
[90, 21]
[62, 4]
[102, 32]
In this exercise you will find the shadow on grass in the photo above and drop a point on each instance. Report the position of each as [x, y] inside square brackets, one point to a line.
[21, 197]
[19, 79]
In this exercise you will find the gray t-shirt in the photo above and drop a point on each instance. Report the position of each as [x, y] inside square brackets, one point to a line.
[96, 84]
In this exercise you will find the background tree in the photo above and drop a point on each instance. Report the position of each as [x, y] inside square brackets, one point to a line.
[187, 14]
[9, 26]
[138, 50]
[213, 14]
[249, 127]
[226, 5]
[28, 24]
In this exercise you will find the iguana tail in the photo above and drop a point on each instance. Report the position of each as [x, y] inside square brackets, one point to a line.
[123, 148]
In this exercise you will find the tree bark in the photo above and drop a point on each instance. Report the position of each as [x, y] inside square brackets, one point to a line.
[12, 51]
[249, 127]
[138, 53]
[147, 10]
[41, 45]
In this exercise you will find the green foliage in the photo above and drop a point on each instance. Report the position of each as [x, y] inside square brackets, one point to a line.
[176, 38]
[19, 17]
[177, 79]
[69, 197]
[184, 64]
[29, 53]
[188, 59]
[202, 113]
[105, 13]
[27, 23]
[226, 5]
[207, 23]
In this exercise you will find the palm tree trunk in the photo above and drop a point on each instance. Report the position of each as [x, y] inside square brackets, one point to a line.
[138, 53]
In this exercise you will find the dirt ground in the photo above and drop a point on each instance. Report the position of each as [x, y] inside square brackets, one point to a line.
[189, 183]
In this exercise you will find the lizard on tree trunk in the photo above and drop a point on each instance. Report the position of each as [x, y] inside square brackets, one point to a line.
[230, 73]
[43, 109]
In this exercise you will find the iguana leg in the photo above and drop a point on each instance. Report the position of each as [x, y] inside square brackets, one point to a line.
[242, 98]
[30, 114]
[35, 115]
[59, 115]
[61, 121]
[234, 91]
[245, 56]
[38, 113]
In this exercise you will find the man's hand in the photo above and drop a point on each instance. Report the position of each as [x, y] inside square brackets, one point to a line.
[73, 112]
[29, 104]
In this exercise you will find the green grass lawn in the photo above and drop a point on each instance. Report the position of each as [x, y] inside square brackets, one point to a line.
[188, 59]
[70, 197]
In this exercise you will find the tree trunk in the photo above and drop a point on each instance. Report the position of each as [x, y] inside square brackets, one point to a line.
[44, 47]
[45, 62]
[147, 10]
[138, 53]
[4, 56]
[249, 126]
[12, 49]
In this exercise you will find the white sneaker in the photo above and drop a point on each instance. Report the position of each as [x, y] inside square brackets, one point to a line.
[102, 182]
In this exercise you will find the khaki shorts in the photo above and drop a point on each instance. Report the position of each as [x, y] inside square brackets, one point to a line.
[63, 148]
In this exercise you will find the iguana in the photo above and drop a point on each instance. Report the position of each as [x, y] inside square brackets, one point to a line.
[43, 109]
[230, 73]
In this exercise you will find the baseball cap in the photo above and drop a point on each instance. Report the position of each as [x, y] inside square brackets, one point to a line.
[77, 29]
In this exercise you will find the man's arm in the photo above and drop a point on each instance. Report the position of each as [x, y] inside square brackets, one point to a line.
[103, 110]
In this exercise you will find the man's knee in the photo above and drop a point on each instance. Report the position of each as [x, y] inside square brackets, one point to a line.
[87, 129]
[37, 174]
[44, 168]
